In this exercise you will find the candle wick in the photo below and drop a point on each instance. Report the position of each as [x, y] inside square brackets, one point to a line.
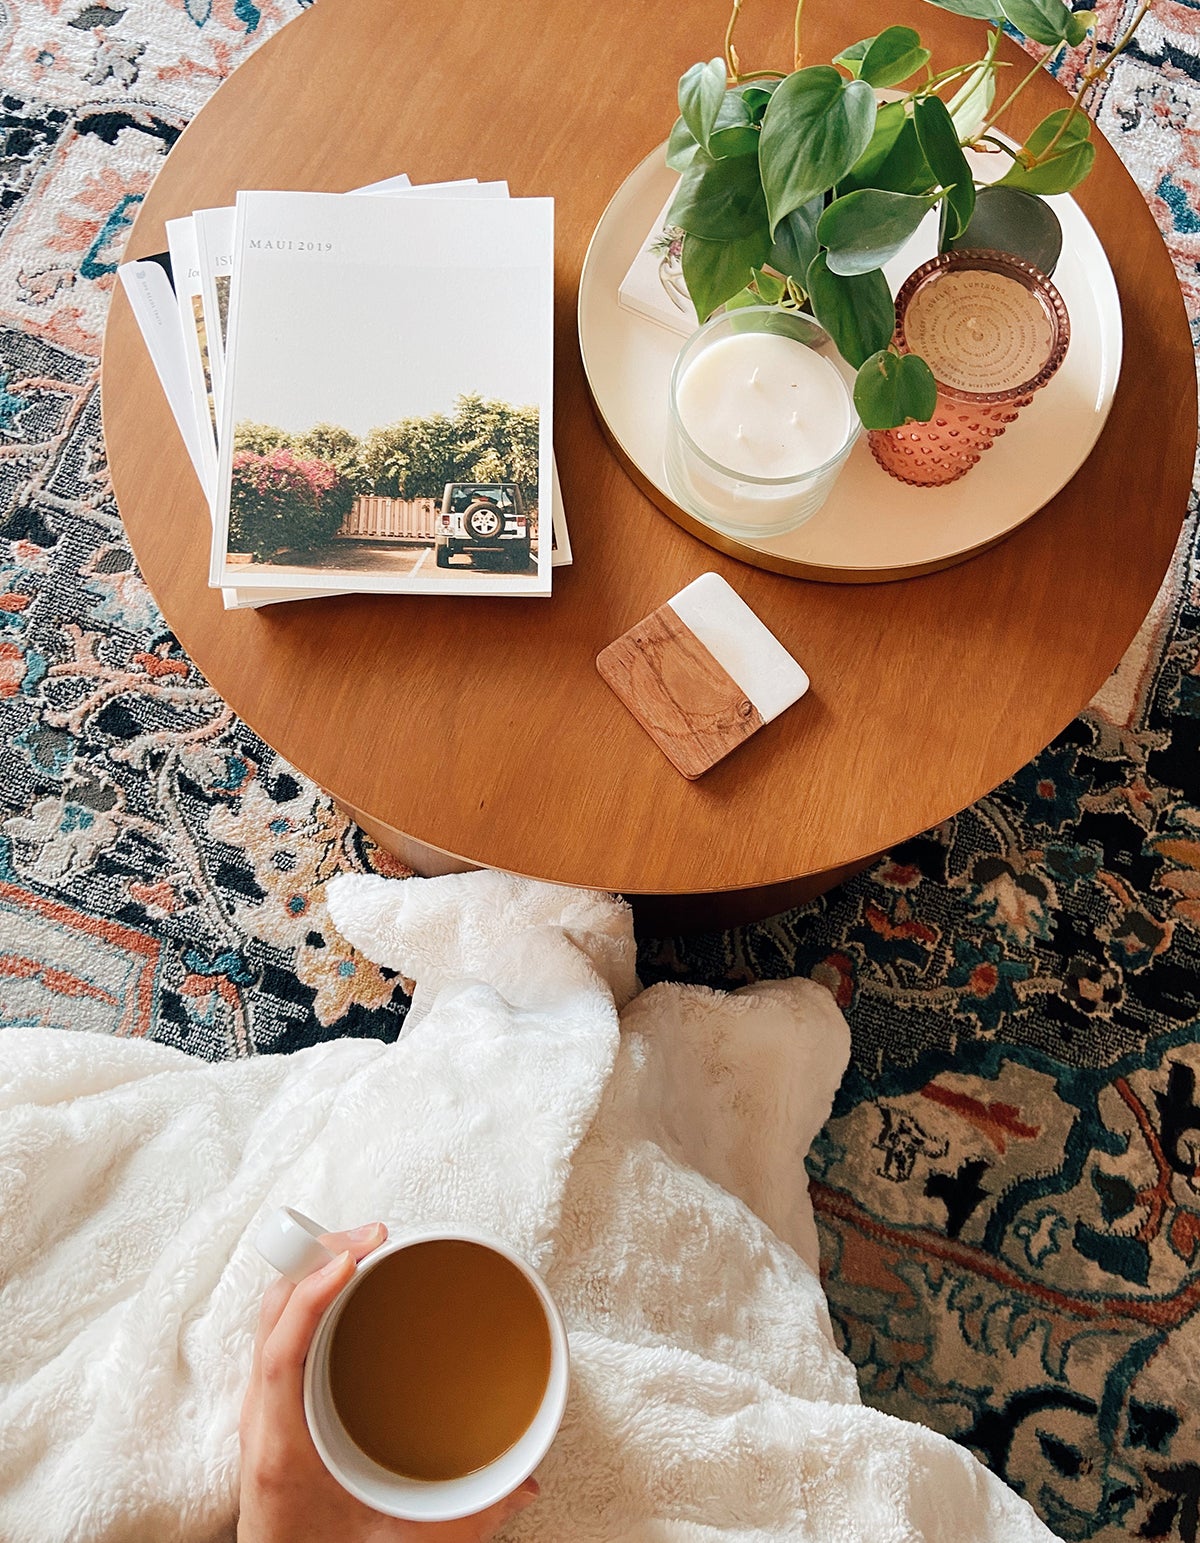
[740, 433]
[794, 419]
[754, 377]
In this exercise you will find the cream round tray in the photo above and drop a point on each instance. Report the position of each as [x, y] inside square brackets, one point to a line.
[873, 528]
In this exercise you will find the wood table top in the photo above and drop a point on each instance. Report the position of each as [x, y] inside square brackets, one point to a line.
[481, 727]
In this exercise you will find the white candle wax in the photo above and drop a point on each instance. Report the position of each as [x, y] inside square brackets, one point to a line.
[764, 405]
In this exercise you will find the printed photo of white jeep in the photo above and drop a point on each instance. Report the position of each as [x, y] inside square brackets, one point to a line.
[485, 521]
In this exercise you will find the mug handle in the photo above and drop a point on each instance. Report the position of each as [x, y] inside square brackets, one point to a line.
[291, 1242]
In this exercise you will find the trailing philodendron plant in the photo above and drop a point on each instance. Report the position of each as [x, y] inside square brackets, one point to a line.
[797, 188]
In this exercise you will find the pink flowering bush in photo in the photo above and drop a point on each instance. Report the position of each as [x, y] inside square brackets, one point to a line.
[284, 502]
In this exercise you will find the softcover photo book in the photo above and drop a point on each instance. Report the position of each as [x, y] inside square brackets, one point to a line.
[385, 355]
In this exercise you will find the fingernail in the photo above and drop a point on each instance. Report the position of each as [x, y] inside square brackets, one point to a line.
[530, 1487]
[366, 1233]
[336, 1266]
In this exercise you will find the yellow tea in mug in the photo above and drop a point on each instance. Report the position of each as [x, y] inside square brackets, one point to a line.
[440, 1359]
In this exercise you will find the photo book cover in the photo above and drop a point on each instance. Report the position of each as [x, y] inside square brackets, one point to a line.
[387, 407]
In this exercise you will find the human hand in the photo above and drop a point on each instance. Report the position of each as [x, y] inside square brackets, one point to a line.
[287, 1494]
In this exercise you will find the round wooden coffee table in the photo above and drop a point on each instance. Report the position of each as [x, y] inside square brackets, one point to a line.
[479, 728]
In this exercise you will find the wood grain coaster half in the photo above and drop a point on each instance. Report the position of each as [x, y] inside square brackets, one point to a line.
[693, 710]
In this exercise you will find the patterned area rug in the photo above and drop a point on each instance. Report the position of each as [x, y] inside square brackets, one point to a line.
[1009, 1190]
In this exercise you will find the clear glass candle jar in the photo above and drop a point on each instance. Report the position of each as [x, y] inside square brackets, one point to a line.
[760, 421]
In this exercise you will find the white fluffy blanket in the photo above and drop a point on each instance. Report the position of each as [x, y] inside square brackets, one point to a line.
[645, 1151]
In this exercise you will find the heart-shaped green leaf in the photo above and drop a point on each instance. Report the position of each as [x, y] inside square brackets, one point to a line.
[889, 120]
[796, 243]
[858, 312]
[743, 298]
[903, 169]
[1062, 128]
[785, 324]
[733, 132]
[1045, 21]
[893, 389]
[814, 129]
[1007, 220]
[938, 139]
[1082, 23]
[756, 99]
[748, 98]
[715, 270]
[892, 57]
[771, 288]
[866, 229]
[971, 103]
[887, 59]
[681, 146]
[737, 139]
[733, 109]
[701, 93]
[1059, 174]
[719, 200]
[1067, 164]
[981, 10]
[851, 58]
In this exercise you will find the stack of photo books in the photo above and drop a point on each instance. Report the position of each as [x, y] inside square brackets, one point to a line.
[363, 385]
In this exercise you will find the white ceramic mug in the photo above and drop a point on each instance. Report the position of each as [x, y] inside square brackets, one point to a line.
[291, 1242]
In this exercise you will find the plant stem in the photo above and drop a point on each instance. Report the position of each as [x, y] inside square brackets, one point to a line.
[1092, 73]
[733, 65]
[796, 35]
[1127, 36]
[930, 86]
[990, 139]
[999, 112]
[986, 67]
[731, 58]
[1073, 111]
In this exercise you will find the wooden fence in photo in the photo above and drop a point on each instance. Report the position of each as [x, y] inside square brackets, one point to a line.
[395, 519]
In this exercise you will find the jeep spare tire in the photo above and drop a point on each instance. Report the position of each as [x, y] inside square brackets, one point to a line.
[483, 521]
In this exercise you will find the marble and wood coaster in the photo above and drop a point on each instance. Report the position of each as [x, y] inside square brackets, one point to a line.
[701, 674]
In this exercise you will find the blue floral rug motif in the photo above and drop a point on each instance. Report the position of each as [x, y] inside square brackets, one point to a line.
[1009, 1188]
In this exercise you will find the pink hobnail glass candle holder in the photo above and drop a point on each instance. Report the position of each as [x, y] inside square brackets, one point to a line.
[993, 330]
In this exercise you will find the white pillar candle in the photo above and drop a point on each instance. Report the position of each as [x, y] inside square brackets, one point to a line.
[760, 423]
[764, 405]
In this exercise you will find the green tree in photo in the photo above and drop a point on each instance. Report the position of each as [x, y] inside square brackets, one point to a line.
[330, 442]
[479, 426]
[498, 443]
[524, 450]
[384, 461]
[431, 445]
[482, 441]
[414, 458]
[261, 438]
[489, 467]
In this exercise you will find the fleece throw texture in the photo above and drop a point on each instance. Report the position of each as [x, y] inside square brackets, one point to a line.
[646, 1152]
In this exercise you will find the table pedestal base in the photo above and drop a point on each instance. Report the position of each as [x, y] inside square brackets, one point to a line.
[665, 916]
[655, 916]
